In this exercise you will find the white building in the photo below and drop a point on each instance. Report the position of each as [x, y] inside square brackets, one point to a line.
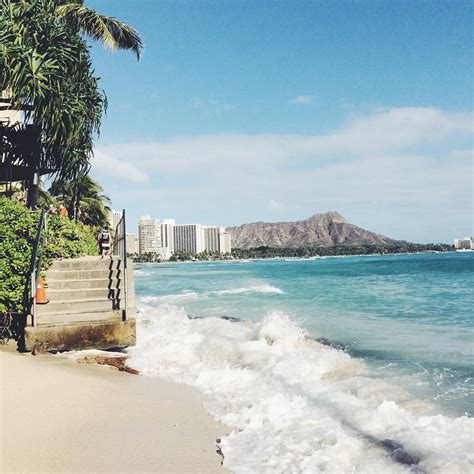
[225, 241]
[464, 244]
[149, 235]
[188, 238]
[132, 241]
[8, 116]
[210, 237]
[167, 234]
[216, 239]
[114, 218]
[167, 238]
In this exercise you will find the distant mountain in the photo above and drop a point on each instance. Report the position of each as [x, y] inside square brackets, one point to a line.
[325, 229]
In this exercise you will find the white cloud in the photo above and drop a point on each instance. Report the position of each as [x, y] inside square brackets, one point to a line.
[372, 162]
[213, 105]
[107, 165]
[197, 103]
[302, 100]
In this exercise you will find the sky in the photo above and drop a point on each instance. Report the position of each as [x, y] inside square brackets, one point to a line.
[244, 111]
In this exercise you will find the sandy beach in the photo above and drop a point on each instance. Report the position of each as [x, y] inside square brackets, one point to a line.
[61, 416]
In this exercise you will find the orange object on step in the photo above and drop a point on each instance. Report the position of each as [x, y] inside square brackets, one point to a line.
[41, 293]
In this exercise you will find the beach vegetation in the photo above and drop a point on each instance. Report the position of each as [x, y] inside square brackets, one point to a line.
[18, 225]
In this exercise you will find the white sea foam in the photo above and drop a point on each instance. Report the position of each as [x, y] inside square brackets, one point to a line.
[176, 298]
[192, 295]
[141, 273]
[262, 288]
[297, 405]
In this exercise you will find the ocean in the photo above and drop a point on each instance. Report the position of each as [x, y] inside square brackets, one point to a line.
[337, 364]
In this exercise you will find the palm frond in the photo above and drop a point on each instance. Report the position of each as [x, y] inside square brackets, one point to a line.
[113, 33]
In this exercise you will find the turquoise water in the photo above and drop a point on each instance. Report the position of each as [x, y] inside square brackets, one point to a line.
[411, 317]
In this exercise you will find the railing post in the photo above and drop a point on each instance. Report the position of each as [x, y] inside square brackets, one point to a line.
[125, 275]
[119, 248]
[34, 268]
[33, 296]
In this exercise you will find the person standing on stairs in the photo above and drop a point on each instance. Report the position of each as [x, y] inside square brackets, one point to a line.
[104, 243]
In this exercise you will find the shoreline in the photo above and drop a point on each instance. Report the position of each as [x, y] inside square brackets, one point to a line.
[61, 416]
[165, 262]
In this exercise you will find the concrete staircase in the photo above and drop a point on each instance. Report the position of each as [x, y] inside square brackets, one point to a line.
[85, 309]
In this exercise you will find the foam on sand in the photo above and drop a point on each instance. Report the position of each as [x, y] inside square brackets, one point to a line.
[297, 405]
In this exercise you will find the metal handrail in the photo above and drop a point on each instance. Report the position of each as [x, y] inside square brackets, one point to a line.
[35, 265]
[119, 248]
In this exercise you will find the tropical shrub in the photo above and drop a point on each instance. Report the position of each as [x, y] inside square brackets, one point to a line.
[18, 225]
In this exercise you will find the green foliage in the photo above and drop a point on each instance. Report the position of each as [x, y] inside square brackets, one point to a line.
[45, 64]
[84, 199]
[297, 252]
[148, 257]
[107, 30]
[18, 226]
[313, 251]
[151, 257]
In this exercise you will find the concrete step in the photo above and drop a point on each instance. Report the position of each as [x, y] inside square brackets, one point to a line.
[82, 274]
[82, 294]
[88, 263]
[66, 285]
[68, 306]
[59, 318]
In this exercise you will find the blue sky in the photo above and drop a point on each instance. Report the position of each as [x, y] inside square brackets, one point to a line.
[257, 110]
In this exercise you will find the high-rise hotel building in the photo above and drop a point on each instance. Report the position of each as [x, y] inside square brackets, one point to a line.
[167, 238]
[167, 234]
[216, 239]
[114, 218]
[149, 235]
[132, 244]
[210, 235]
[188, 238]
[225, 241]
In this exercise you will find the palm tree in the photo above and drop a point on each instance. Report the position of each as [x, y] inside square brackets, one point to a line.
[45, 65]
[84, 199]
[47, 68]
[107, 30]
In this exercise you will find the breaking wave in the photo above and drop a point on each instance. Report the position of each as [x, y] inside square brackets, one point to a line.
[192, 295]
[264, 288]
[296, 405]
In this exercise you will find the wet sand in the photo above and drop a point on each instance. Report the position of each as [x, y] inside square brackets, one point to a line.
[60, 416]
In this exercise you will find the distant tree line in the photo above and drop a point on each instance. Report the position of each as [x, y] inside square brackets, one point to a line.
[296, 252]
[152, 257]
[323, 251]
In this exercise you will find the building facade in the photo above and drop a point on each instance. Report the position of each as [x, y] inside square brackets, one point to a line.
[210, 236]
[9, 116]
[225, 241]
[149, 235]
[167, 234]
[114, 218]
[132, 244]
[188, 238]
[464, 244]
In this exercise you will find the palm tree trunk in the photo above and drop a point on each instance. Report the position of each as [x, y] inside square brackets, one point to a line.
[33, 189]
[34, 162]
[75, 204]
